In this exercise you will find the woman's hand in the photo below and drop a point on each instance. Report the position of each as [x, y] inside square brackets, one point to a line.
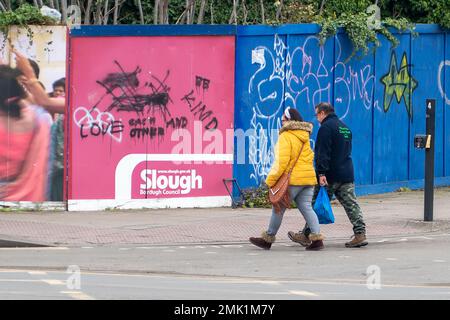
[24, 65]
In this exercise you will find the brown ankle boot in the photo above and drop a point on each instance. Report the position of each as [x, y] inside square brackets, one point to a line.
[316, 242]
[299, 238]
[265, 242]
[358, 240]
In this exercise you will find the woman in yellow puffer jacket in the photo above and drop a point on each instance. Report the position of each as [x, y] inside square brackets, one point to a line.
[294, 135]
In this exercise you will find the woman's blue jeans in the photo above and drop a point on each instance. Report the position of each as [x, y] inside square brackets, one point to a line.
[302, 195]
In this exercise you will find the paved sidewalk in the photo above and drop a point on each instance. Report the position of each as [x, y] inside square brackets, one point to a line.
[386, 215]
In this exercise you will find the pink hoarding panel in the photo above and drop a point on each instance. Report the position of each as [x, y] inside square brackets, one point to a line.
[151, 117]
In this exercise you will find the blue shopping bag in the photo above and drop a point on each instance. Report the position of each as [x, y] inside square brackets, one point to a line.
[322, 207]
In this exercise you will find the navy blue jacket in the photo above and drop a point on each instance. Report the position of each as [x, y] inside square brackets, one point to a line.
[333, 150]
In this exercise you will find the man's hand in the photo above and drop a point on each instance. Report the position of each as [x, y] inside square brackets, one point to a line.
[323, 181]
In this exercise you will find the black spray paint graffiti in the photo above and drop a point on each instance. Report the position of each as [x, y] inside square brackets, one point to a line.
[96, 123]
[122, 87]
[145, 127]
[200, 110]
[96, 129]
[154, 120]
[399, 82]
[202, 83]
[177, 123]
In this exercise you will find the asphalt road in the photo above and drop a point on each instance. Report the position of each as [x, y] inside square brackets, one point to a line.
[416, 267]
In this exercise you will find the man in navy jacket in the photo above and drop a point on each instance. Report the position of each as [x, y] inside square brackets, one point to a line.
[334, 168]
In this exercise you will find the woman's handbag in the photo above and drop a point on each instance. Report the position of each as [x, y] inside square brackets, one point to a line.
[279, 193]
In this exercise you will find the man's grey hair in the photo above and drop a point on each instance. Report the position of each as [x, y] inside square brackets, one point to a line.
[325, 107]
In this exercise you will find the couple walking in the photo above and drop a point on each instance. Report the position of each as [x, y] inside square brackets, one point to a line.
[334, 170]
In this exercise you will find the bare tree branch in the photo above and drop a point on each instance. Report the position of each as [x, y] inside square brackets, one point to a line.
[161, 12]
[322, 5]
[155, 12]
[116, 11]
[192, 11]
[98, 14]
[212, 12]
[280, 8]
[64, 11]
[87, 13]
[141, 12]
[233, 17]
[166, 11]
[244, 9]
[201, 14]
[106, 14]
[263, 14]
[182, 18]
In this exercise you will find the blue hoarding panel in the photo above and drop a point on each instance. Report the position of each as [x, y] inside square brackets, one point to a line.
[260, 88]
[392, 112]
[425, 71]
[380, 96]
[444, 90]
[309, 76]
[353, 100]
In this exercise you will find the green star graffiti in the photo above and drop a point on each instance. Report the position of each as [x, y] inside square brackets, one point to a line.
[398, 83]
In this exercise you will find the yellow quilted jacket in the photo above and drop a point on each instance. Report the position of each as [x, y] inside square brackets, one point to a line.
[293, 135]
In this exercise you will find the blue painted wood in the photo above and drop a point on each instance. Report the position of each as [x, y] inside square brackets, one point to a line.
[425, 68]
[309, 75]
[391, 120]
[444, 90]
[259, 104]
[353, 101]
[152, 30]
[422, 28]
[362, 190]
[291, 29]
[383, 139]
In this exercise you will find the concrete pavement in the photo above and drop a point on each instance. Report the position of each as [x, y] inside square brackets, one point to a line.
[391, 214]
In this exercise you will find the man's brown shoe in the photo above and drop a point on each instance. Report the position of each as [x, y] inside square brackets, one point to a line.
[358, 240]
[299, 238]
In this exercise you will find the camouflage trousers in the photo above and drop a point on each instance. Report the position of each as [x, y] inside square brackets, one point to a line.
[345, 194]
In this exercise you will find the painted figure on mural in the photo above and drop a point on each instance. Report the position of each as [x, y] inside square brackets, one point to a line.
[293, 151]
[334, 168]
[24, 141]
[56, 173]
[54, 104]
[29, 158]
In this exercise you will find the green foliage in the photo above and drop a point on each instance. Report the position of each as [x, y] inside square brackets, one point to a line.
[24, 15]
[5, 209]
[337, 7]
[256, 197]
[432, 11]
[358, 31]
[297, 12]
